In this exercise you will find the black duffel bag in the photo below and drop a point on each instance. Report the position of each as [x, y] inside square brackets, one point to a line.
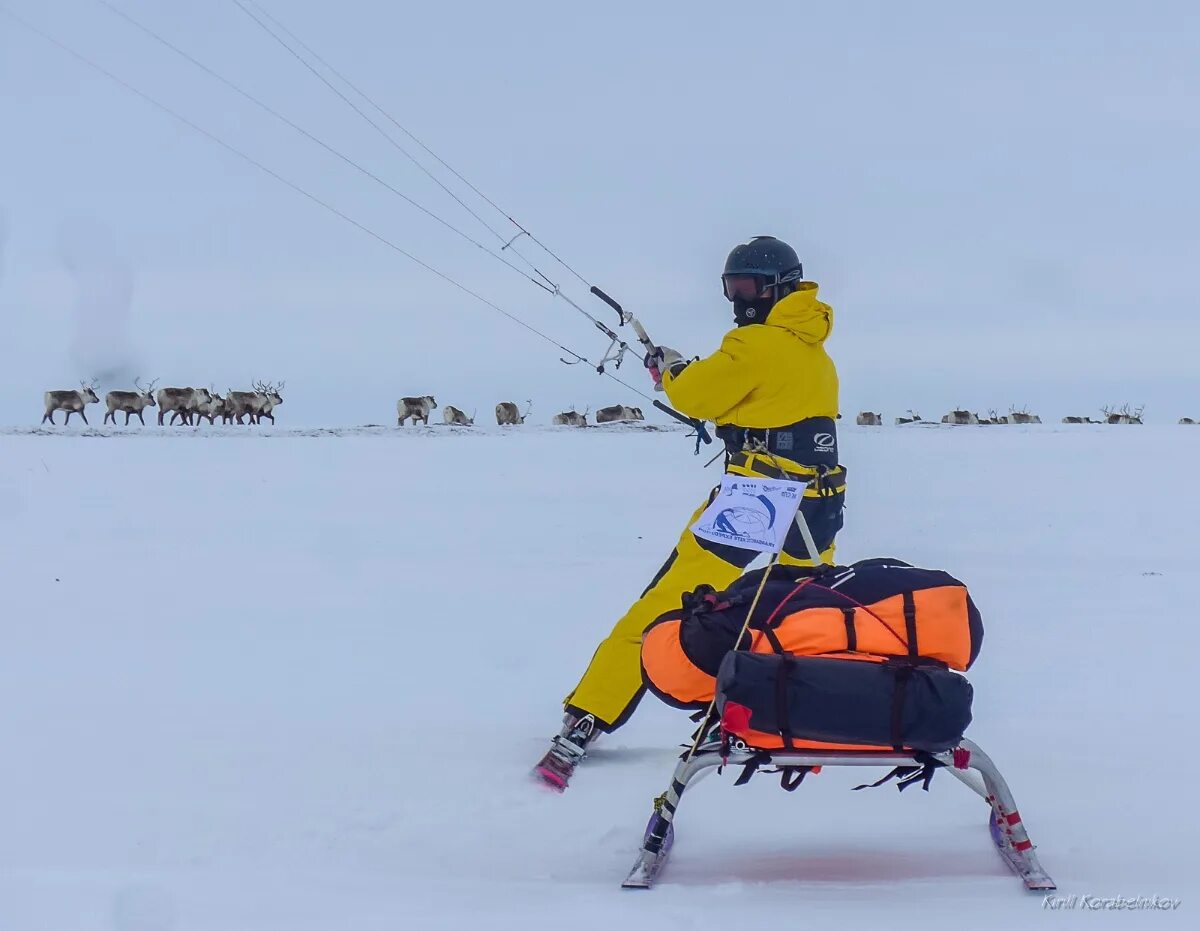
[900, 703]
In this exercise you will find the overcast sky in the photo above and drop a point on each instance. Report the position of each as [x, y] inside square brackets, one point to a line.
[1000, 202]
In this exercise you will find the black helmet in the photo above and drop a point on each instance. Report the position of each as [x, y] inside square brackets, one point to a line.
[757, 274]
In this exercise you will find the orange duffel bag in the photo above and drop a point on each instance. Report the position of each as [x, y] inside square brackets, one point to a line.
[873, 608]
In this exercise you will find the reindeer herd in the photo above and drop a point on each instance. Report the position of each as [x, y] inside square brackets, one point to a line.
[1123, 415]
[508, 414]
[185, 405]
[189, 406]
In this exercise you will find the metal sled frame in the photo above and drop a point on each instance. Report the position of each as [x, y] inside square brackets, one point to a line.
[967, 762]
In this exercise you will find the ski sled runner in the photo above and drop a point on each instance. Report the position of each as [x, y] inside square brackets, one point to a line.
[967, 762]
[845, 666]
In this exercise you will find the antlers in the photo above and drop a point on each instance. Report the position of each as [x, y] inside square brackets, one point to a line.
[1124, 412]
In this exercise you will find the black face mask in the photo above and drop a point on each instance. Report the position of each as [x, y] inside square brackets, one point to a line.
[755, 311]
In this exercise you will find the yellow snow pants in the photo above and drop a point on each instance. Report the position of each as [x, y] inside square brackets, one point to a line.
[612, 685]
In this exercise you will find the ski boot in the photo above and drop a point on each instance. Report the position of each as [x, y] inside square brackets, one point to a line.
[567, 751]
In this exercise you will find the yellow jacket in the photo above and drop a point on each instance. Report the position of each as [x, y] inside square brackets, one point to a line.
[767, 374]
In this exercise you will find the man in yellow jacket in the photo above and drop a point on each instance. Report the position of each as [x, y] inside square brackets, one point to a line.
[772, 391]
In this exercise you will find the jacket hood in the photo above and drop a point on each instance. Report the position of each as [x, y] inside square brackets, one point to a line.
[803, 315]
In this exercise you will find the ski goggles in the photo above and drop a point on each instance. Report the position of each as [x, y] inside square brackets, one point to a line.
[743, 287]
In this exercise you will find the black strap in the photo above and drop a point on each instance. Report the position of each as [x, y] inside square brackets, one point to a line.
[910, 623]
[903, 669]
[773, 639]
[907, 775]
[902, 675]
[760, 758]
[902, 772]
[790, 777]
[781, 701]
[700, 600]
[851, 632]
[747, 771]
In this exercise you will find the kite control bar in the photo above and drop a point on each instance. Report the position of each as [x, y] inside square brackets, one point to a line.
[651, 359]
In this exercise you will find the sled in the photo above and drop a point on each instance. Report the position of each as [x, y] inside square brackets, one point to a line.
[967, 762]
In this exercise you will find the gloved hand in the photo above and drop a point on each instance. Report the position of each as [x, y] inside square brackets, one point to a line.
[668, 357]
[665, 358]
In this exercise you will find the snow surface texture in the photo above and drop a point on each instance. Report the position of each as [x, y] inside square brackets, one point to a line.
[298, 683]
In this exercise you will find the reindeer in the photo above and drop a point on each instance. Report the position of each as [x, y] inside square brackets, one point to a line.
[213, 408]
[1187, 420]
[205, 403]
[416, 408]
[73, 401]
[454, 417]
[129, 402]
[571, 418]
[268, 398]
[228, 412]
[961, 417]
[507, 413]
[1020, 416]
[255, 404]
[1080, 420]
[868, 419]
[239, 404]
[1123, 415]
[181, 402]
[911, 418]
[618, 413]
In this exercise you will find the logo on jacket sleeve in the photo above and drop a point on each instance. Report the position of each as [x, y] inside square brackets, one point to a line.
[824, 442]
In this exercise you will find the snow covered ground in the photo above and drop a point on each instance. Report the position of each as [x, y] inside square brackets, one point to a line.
[296, 680]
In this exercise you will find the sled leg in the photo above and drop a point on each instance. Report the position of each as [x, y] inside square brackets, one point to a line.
[660, 832]
[1005, 825]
